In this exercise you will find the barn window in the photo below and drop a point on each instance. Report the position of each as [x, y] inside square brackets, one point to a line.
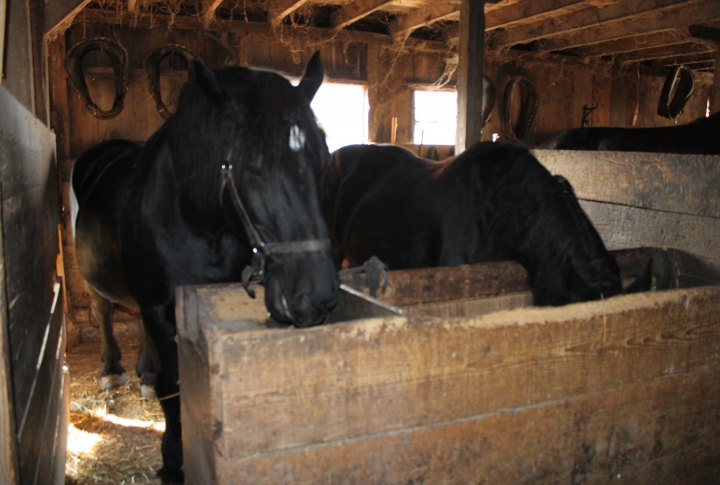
[435, 117]
[342, 110]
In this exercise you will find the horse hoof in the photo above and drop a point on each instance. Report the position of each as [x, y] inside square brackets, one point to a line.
[147, 392]
[113, 381]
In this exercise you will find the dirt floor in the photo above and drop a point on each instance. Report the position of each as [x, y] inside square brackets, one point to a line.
[114, 436]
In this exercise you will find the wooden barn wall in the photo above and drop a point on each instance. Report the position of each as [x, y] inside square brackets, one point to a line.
[34, 325]
[390, 76]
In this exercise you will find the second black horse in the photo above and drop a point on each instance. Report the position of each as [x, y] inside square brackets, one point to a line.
[493, 202]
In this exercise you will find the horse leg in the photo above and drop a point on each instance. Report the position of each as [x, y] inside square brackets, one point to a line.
[113, 374]
[145, 366]
[160, 331]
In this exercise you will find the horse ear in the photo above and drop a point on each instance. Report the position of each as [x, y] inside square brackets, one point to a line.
[208, 82]
[313, 77]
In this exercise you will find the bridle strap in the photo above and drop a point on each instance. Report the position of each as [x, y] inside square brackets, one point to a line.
[261, 249]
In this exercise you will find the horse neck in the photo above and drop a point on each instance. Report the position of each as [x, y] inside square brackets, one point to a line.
[566, 256]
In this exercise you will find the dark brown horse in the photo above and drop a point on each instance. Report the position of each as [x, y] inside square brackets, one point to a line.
[493, 202]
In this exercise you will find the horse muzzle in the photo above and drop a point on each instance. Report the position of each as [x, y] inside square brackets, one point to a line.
[302, 303]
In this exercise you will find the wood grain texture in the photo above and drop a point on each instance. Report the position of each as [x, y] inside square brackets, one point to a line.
[683, 184]
[628, 227]
[664, 432]
[285, 389]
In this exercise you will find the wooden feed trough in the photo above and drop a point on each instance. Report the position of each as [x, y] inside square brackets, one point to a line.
[469, 384]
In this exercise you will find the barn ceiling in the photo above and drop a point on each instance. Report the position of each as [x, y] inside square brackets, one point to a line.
[626, 32]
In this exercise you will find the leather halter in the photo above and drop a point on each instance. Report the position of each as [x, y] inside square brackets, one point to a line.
[118, 56]
[152, 69]
[261, 249]
[528, 108]
[672, 109]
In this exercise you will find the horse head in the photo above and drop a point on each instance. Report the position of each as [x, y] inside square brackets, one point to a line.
[269, 153]
[579, 268]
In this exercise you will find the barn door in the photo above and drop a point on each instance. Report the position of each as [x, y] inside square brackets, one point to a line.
[33, 411]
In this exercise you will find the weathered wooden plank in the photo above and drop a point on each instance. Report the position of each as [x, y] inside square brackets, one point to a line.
[374, 376]
[627, 227]
[675, 15]
[430, 285]
[683, 184]
[664, 432]
[611, 18]
[8, 443]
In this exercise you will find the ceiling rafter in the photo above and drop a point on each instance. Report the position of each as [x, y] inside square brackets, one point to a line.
[354, 11]
[278, 11]
[577, 22]
[637, 42]
[667, 19]
[664, 52]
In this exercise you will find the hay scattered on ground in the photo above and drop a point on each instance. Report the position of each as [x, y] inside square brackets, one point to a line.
[114, 436]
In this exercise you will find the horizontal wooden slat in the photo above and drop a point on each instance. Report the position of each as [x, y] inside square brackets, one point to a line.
[283, 389]
[685, 184]
[664, 433]
[627, 227]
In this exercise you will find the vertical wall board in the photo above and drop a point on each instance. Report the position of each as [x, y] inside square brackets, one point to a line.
[3, 16]
[602, 93]
[37, 430]
[18, 54]
[30, 216]
[8, 443]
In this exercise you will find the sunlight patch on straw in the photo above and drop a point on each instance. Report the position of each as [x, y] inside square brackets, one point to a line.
[126, 422]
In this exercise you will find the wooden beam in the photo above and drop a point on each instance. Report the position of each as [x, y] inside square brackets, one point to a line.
[505, 15]
[421, 17]
[59, 14]
[209, 8]
[524, 12]
[637, 42]
[354, 11]
[667, 19]
[183, 22]
[471, 51]
[282, 9]
[663, 52]
[591, 17]
[688, 60]
[715, 96]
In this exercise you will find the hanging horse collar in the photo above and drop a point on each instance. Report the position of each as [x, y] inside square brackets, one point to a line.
[261, 249]
[118, 57]
[152, 69]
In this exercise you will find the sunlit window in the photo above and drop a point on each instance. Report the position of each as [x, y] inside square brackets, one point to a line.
[435, 117]
[342, 110]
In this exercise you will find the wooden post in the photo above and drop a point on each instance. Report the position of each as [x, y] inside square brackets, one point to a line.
[3, 9]
[470, 74]
[715, 95]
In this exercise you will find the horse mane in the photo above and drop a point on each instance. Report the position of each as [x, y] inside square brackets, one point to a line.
[537, 220]
[248, 128]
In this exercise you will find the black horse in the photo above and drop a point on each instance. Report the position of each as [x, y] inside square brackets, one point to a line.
[226, 189]
[702, 136]
[493, 202]
[95, 185]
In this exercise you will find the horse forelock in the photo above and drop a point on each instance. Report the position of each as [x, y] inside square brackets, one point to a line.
[264, 125]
